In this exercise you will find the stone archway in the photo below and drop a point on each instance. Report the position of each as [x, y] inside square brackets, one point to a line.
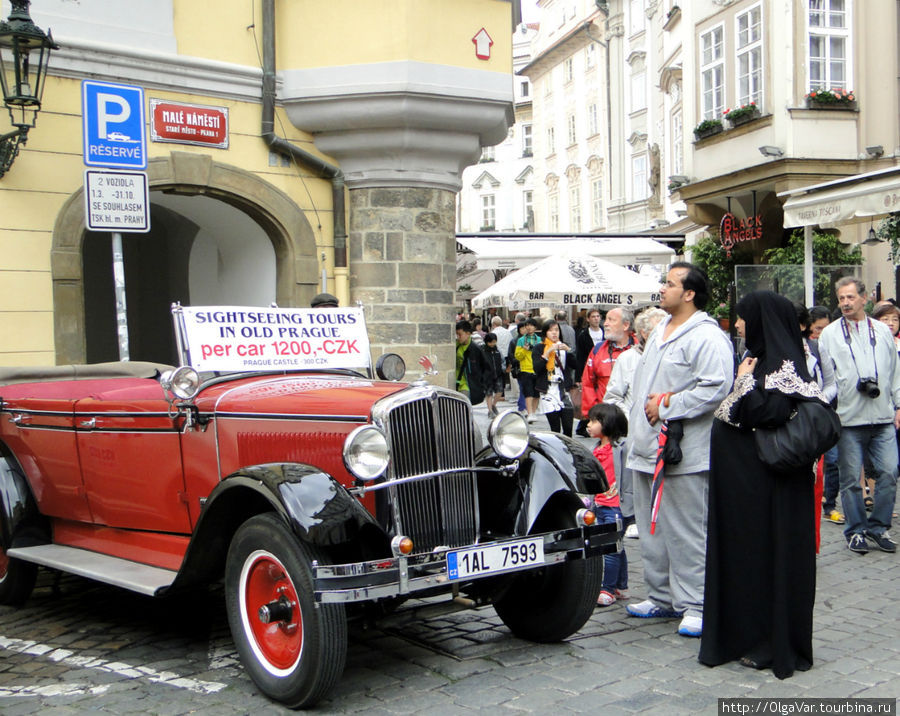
[186, 173]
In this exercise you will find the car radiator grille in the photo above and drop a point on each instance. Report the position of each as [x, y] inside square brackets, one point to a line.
[434, 435]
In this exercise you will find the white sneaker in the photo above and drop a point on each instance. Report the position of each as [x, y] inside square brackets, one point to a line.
[691, 626]
[631, 532]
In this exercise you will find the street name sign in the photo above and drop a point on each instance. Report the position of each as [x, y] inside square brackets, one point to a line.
[117, 201]
[114, 129]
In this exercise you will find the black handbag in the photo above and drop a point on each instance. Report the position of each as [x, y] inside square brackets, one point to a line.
[812, 429]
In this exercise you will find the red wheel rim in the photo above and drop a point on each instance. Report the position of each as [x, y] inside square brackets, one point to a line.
[264, 580]
[4, 564]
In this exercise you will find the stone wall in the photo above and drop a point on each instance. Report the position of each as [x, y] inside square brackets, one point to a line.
[402, 256]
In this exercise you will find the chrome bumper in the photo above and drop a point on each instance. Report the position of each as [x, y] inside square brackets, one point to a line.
[397, 576]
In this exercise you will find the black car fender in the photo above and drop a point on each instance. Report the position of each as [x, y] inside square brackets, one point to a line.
[21, 523]
[552, 476]
[316, 507]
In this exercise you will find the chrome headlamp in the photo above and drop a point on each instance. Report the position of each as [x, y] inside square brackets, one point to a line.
[366, 453]
[508, 435]
[183, 382]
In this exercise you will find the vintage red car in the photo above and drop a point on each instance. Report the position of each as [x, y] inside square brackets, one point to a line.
[318, 492]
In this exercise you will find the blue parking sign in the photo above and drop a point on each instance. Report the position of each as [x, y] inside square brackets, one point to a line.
[114, 128]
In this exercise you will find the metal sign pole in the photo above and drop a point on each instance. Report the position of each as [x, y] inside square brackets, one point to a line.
[119, 283]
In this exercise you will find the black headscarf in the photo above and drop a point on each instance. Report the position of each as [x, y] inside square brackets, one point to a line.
[772, 335]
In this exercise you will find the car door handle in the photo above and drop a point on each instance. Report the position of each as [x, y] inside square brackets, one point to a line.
[92, 423]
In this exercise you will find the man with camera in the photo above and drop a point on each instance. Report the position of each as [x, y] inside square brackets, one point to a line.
[867, 372]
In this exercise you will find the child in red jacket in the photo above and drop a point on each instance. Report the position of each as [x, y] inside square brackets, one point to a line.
[608, 424]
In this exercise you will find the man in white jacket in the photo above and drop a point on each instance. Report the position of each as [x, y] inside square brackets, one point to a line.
[867, 373]
[685, 371]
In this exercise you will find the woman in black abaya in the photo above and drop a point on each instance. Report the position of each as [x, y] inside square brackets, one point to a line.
[760, 553]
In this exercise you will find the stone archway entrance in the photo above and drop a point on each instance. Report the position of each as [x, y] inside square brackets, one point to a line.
[175, 261]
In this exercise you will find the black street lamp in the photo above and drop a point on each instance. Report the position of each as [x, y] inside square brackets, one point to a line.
[24, 55]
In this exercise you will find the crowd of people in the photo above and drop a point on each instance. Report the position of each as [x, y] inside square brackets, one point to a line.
[728, 546]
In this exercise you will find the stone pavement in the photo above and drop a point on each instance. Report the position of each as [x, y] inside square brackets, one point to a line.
[78, 647]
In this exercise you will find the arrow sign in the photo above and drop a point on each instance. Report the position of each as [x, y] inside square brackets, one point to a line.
[483, 44]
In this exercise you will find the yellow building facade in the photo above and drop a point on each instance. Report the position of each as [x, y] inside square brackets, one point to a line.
[379, 103]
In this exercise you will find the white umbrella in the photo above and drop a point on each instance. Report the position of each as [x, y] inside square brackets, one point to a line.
[570, 280]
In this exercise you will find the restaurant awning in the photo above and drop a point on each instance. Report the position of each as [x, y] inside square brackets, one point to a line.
[513, 252]
[848, 200]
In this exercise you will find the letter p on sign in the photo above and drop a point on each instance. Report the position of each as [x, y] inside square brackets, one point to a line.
[111, 109]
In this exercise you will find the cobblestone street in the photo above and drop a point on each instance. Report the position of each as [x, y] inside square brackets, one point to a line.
[78, 646]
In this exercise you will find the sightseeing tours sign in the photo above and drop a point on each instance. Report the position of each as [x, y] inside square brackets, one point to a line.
[238, 338]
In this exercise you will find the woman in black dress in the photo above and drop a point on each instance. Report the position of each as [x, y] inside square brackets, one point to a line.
[760, 553]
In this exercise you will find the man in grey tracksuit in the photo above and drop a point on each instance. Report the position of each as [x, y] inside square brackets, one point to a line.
[684, 373]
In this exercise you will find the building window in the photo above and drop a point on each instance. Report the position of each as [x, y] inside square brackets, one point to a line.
[487, 154]
[593, 120]
[551, 140]
[749, 57]
[597, 203]
[829, 39]
[572, 134]
[575, 208]
[677, 140]
[590, 55]
[488, 212]
[526, 140]
[553, 202]
[712, 73]
[640, 189]
[569, 69]
[638, 91]
[525, 88]
[528, 209]
[636, 20]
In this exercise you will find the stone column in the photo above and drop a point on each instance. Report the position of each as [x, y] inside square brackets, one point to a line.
[402, 133]
[403, 270]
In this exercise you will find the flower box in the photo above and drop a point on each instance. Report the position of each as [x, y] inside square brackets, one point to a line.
[848, 106]
[702, 132]
[742, 115]
[831, 99]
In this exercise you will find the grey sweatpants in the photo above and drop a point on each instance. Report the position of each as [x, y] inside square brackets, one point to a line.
[674, 557]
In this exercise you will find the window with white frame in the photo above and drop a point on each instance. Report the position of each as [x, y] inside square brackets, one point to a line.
[526, 140]
[590, 55]
[488, 211]
[525, 88]
[638, 91]
[574, 208]
[712, 73]
[636, 16]
[593, 119]
[527, 208]
[569, 69]
[749, 49]
[553, 206]
[551, 140]
[572, 130]
[829, 44]
[596, 203]
[640, 189]
[488, 154]
[677, 139]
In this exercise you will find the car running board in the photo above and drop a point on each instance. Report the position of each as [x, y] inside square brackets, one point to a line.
[124, 573]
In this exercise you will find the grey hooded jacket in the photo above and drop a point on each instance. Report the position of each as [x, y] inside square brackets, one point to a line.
[696, 365]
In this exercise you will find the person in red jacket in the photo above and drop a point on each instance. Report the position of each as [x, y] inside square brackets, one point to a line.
[601, 359]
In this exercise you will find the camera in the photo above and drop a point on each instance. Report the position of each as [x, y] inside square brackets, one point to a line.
[868, 387]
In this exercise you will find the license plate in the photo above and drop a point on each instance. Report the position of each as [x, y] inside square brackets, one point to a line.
[494, 558]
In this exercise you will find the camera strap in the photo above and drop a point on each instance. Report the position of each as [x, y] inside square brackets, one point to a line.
[845, 327]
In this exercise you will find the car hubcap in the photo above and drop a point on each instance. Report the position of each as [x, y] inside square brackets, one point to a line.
[271, 612]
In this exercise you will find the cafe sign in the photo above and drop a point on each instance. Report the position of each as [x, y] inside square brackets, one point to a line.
[733, 230]
[183, 123]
